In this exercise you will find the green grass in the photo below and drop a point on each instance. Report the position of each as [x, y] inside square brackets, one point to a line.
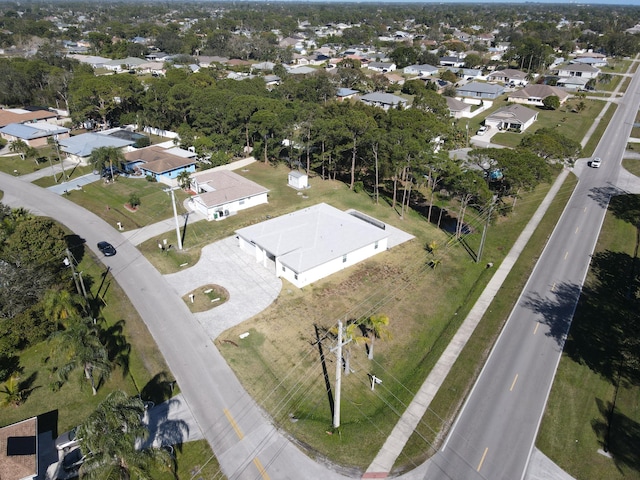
[591, 145]
[70, 175]
[445, 405]
[14, 165]
[107, 200]
[632, 166]
[425, 307]
[579, 412]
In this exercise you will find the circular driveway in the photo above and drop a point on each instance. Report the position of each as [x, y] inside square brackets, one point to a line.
[251, 287]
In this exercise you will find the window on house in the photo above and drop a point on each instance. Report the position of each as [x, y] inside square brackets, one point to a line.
[241, 202]
[295, 275]
[344, 259]
[284, 269]
[375, 247]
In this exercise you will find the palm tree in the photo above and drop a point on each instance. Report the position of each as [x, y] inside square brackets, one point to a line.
[108, 437]
[376, 326]
[102, 157]
[184, 179]
[82, 348]
[60, 305]
[19, 147]
[12, 391]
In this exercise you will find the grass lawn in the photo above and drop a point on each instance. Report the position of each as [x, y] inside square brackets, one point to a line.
[632, 165]
[567, 122]
[69, 175]
[15, 165]
[586, 411]
[107, 200]
[279, 362]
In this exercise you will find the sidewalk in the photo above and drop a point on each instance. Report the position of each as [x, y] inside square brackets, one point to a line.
[393, 446]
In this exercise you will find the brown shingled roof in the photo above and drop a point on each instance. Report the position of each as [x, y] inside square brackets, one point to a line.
[19, 464]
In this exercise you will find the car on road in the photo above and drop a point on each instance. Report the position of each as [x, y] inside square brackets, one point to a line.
[482, 130]
[107, 249]
[67, 440]
[596, 162]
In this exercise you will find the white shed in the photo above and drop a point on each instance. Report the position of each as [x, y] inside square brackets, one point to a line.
[298, 180]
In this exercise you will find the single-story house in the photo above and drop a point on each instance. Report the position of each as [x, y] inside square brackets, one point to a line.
[298, 180]
[159, 163]
[220, 193]
[420, 70]
[313, 243]
[458, 109]
[21, 115]
[466, 73]
[593, 61]
[513, 117]
[79, 147]
[382, 67]
[302, 70]
[480, 90]
[573, 83]
[19, 450]
[578, 70]
[535, 94]
[383, 100]
[508, 75]
[449, 61]
[33, 134]
[346, 93]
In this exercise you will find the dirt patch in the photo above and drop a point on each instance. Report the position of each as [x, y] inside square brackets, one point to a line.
[206, 297]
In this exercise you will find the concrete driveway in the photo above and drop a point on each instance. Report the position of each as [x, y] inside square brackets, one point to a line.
[251, 287]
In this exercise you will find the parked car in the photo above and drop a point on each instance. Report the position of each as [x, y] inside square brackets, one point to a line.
[482, 130]
[73, 460]
[67, 440]
[596, 162]
[107, 249]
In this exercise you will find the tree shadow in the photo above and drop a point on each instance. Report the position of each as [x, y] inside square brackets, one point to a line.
[9, 364]
[158, 389]
[26, 386]
[163, 430]
[118, 348]
[76, 245]
[618, 435]
[603, 195]
[556, 312]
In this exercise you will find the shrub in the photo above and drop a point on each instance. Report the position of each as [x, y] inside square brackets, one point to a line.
[134, 199]
[151, 178]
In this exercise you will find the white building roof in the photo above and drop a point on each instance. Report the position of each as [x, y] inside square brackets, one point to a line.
[223, 187]
[313, 236]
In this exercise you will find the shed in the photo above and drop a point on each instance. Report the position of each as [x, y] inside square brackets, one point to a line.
[298, 180]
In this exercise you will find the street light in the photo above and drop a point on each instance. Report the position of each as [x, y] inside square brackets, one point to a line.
[175, 214]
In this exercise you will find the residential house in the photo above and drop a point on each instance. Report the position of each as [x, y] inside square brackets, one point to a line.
[513, 118]
[79, 147]
[383, 100]
[159, 163]
[597, 62]
[19, 450]
[394, 78]
[480, 90]
[466, 73]
[21, 115]
[535, 95]
[449, 61]
[578, 70]
[33, 134]
[313, 243]
[424, 70]
[508, 75]
[573, 83]
[382, 67]
[220, 193]
[346, 93]
[457, 108]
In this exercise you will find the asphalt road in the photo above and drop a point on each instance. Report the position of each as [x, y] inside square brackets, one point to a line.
[242, 438]
[494, 434]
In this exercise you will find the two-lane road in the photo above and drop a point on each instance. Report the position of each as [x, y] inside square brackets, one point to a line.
[495, 432]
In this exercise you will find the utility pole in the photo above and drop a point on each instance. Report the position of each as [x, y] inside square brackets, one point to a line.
[336, 412]
[175, 215]
[484, 229]
[70, 262]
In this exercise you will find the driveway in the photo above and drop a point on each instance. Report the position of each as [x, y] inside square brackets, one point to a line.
[251, 287]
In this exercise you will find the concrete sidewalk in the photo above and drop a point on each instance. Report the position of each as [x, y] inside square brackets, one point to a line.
[393, 446]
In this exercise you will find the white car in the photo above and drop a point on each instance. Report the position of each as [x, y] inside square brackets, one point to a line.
[596, 162]
[482, 130]
[67, 440]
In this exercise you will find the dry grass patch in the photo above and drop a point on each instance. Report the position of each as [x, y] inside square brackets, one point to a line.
[206, 297]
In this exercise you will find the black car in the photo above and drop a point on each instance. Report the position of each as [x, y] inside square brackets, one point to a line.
[107, 249]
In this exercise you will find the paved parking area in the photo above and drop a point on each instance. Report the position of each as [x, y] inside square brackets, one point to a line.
[251, 287]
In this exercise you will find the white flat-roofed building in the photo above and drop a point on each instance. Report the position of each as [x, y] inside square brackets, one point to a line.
[313, 243]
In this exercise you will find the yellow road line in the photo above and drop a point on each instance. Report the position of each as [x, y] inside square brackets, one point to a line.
[566, 255]
[514, 383]
[482, 459]
[577, 228]
[233, 423]
[260, 468]
[553, 287]
[535, 330]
